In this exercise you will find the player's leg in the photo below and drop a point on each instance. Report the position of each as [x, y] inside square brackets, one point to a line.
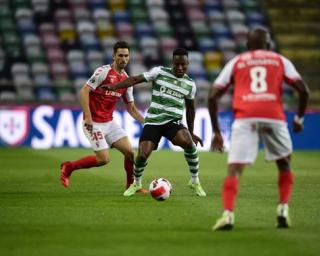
[279, 148]
[148, 142]
[100, 158]
[285, 180]
[67, 168]
[243, 151]
[124, 146]
[230, 190]
[117, 138]
[285, 183]
[183, 139]
[145, 150]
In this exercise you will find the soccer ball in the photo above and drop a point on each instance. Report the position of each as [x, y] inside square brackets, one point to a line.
[160, 189]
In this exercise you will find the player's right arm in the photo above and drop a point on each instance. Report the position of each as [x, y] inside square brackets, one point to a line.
[128, 82]
[84, 101]
[218, 88]
[217, 140]
[92, 84]
[133, 80]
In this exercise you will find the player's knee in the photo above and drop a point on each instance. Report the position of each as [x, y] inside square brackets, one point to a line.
[103, 160]
[129, 155]
[187, 144]
[283, 164]
[143, 156]
[236, 169]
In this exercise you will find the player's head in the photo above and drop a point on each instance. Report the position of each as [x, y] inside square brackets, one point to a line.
[258, 38]
[120, 56]
[180, 62]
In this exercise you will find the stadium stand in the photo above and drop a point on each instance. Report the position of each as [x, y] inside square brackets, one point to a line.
[296, 27]
[49, 48]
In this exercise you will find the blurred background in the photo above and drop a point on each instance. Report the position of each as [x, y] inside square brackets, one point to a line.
[48, 49]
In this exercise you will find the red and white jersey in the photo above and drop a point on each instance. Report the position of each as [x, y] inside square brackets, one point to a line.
[258, 77]
[102, 103]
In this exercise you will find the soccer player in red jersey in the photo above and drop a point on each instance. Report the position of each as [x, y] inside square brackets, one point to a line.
[257, 76]
[98, 125]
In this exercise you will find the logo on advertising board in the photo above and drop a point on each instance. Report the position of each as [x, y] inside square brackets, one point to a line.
[14, 126]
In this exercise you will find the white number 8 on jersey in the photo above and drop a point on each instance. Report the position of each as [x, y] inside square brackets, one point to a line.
[258, 79]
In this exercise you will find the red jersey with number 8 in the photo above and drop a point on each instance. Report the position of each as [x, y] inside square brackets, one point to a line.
[258, 78]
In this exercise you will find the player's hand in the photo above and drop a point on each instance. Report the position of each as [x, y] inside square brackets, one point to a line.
[217, 143]
[297, 126]
[197, 139]
[88, 125]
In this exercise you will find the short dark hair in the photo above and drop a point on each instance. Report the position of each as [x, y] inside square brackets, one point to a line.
[120, 44]
[180, 52]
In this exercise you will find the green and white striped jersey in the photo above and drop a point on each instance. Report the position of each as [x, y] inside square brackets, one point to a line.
[168, 95]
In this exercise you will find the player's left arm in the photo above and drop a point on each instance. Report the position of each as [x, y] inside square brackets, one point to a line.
[303, 90]
[134, 112]
[190, 114]
[292, 77]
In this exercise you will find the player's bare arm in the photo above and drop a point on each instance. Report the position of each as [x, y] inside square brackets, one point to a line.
[190, 114]
[303, 91]
[84, 101]
[217, 140]
[134, 112]
[130, 81]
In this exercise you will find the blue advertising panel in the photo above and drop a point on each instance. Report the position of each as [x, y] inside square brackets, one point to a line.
[45, 126]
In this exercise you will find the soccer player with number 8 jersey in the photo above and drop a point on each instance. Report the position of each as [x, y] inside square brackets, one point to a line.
[257, 77]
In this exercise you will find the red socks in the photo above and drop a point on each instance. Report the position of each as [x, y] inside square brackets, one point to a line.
[128, 166]
[230, 191]
[231, 185]
[91, 161]
[85, 162]
[285, 183]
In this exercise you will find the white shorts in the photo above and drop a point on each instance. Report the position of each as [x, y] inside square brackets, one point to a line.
[104, 134]
[246, 135]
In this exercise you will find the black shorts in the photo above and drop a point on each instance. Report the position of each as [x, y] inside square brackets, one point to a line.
[155, 132]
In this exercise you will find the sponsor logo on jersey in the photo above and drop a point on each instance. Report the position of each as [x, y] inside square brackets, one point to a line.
[171, 92]
[259, 97]
[112, 93]
[112, 78]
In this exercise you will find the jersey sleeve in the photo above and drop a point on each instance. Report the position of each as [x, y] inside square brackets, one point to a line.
[290, 73]
[97, 78]
[128, 96]
[151, 74]
[224, 78]
[192, 93]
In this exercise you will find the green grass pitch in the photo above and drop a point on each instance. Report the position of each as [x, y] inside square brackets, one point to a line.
[39, 217]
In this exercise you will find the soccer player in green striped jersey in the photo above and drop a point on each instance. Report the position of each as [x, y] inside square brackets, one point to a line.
[172, 91]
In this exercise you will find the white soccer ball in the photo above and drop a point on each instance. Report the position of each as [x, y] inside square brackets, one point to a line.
[160, 189]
